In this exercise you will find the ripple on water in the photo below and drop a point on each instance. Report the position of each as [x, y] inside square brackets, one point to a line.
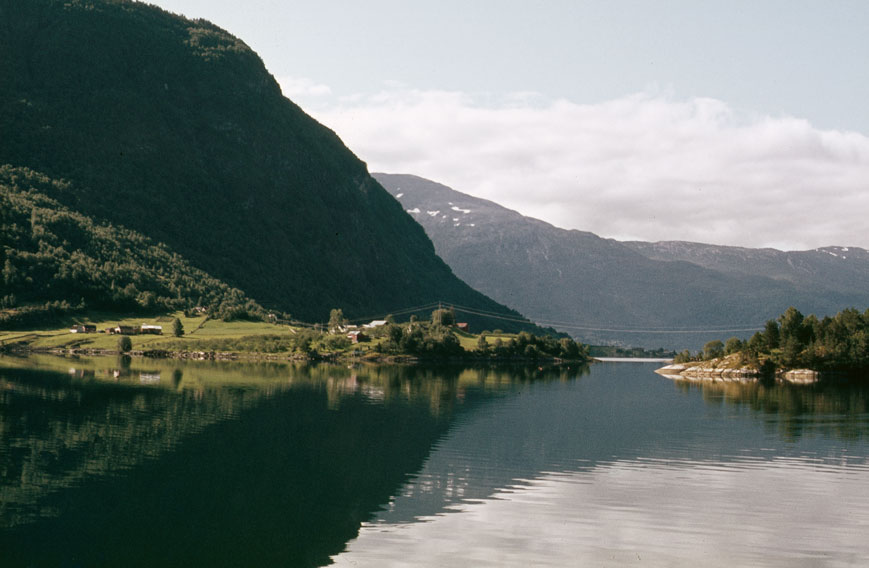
[658, 512]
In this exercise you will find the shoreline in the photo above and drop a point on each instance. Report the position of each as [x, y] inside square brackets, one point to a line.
[370, 357]
[243, 340]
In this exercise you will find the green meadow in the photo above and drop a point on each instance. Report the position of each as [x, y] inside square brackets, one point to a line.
[197, 330]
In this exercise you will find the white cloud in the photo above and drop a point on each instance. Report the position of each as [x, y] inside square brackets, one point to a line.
[293, 87]
[645, 166]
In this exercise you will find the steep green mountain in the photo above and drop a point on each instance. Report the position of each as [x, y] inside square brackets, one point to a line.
[174, 129]
[602, 290]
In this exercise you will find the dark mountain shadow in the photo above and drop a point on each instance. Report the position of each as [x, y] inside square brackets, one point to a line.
[260, 471]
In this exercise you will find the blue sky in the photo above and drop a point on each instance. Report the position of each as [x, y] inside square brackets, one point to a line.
[602, 116]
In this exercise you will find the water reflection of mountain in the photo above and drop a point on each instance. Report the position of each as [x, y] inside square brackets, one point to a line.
[58, 430]
[264, 464]
[622, 413]
[213, 464]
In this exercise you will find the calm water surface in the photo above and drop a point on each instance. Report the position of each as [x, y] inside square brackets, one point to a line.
[140, 463]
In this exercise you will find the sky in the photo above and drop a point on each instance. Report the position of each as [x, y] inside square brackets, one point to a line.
[732, 122]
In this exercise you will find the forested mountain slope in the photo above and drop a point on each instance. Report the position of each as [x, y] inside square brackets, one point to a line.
[56, 261]
[591, 285]
[174, 129]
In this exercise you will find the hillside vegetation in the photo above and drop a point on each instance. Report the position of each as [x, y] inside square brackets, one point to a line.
[198, 336]
[791, 341]
[173, 129]
[55, 261]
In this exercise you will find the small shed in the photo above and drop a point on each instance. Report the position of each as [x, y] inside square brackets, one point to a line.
[357, 337]
[124, 330]
[463, 326]
[151, 329]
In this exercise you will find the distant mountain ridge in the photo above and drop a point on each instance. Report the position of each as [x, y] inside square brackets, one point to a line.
[602, 290]
[826, 269]
[174, 129]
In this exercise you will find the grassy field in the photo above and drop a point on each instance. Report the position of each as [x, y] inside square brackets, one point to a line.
[213, 335]
[194, 328]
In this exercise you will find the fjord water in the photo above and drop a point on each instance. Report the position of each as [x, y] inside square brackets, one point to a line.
[140, 463]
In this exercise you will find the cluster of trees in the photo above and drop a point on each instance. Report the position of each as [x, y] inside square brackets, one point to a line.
[437, 338]
[34, 314]
[615, 351]
[793, 340]
[531, 346]
[425, 340]
[55, 261]
[305, 341]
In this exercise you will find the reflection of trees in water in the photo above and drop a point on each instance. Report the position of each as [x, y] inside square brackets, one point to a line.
[443, 386]
[264, 464]
[106, 416]
[57, 433]
[838, 410]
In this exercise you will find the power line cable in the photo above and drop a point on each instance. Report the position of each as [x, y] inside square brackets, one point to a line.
[612, 330]
[402, 311]
[553, 323]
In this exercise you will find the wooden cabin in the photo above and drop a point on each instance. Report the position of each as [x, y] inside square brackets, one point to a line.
[357, 337]
[123, 330]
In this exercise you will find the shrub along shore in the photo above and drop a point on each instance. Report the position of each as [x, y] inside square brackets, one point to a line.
[792, 347]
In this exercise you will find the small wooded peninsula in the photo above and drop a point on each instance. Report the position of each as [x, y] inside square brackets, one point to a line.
[791, 347]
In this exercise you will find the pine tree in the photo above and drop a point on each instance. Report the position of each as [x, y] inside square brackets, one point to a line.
[177, 327]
